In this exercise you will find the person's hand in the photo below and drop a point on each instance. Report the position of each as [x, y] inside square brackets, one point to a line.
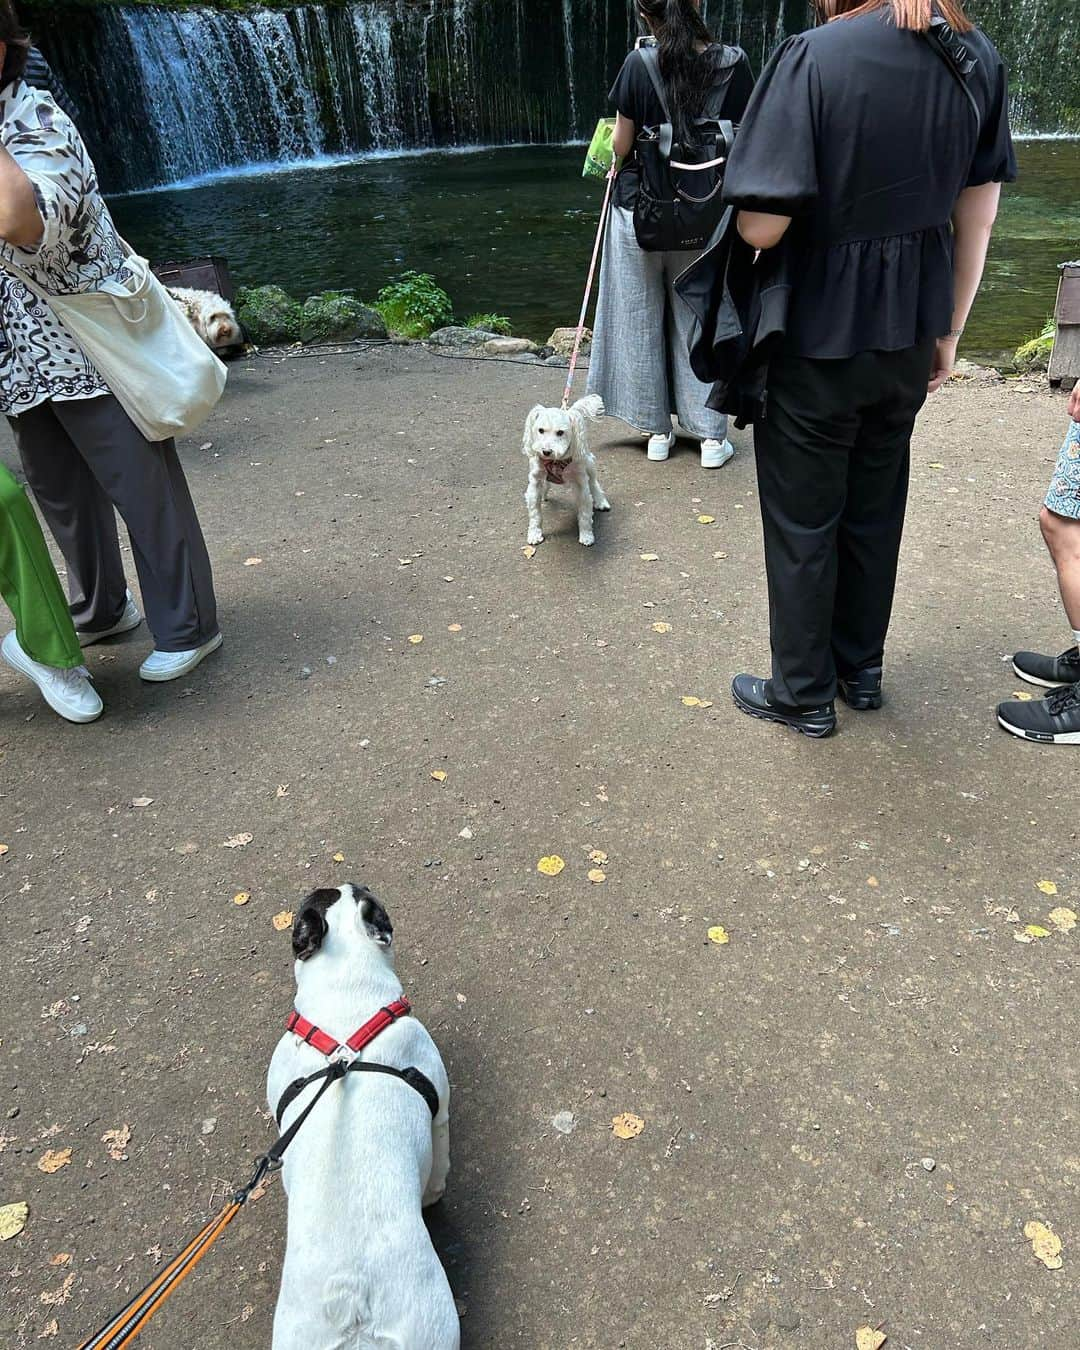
[944, 360]
[1074, 402]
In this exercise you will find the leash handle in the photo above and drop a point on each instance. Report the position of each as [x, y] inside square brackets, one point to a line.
[588, 287]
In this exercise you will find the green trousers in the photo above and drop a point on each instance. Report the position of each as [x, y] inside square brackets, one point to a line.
[29, 584]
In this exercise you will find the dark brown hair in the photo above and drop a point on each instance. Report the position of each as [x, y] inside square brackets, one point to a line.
[914, 14]
[15, 36]
[679, 30]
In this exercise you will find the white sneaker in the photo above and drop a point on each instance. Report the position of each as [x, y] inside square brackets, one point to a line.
[131, 618]
[67, 692]
[715, 454]
[161, 666]
[660, 446]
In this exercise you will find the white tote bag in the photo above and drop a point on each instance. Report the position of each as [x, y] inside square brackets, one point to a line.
[141, 344]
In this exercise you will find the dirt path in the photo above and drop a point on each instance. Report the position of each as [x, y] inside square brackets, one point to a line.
[871, 1010]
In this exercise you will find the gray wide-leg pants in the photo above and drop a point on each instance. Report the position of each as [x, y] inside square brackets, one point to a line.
[82, 458]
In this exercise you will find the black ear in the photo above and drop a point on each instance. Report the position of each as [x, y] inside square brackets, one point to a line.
[310, 926]
[376, 920]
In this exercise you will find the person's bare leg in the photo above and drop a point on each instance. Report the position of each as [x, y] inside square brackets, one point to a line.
[1062, 537]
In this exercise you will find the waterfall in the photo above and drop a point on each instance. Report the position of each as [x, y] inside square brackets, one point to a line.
[166, 95]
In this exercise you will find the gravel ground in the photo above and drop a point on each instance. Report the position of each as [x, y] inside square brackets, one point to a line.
[851, 1109]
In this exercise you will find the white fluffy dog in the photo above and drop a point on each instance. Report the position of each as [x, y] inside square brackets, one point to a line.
[360, 1270]
[212, 317]
[556, 444]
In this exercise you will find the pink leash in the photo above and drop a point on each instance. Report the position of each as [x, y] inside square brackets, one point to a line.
[588, 288]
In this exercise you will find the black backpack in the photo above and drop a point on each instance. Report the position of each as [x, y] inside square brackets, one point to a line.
[678, 203]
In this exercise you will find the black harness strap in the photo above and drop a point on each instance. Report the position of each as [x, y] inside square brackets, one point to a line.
[420, 1082]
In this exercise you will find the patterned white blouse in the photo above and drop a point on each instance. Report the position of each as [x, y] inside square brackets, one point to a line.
[80, 248]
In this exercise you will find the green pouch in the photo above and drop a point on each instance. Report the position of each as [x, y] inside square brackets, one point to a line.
[601, 153]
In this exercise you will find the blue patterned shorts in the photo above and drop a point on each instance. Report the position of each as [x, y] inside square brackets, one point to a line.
[1064, 495]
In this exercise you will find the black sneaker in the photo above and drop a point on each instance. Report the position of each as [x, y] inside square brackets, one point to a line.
[862, 691]
[1048, 671]
[754, 696]
[1053, 720]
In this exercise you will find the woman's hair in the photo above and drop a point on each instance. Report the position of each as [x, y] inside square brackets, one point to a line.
[680, 30]
[18, 44]
[914, 14]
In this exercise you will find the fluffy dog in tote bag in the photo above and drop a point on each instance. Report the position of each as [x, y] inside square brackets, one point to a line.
[139, 340]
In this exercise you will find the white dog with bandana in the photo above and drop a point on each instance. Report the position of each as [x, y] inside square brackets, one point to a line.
[556, 444]
[360, 1270]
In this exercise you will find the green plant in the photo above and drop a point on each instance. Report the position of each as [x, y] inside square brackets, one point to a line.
[414, 305]
[1035, 353]
[491, 323]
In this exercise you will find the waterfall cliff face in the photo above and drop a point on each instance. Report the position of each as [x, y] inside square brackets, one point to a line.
[167, 95]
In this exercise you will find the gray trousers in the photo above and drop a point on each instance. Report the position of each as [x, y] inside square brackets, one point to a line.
[82, 458]
[640, 360]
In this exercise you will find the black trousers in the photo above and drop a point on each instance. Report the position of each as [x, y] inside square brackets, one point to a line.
[833, 455]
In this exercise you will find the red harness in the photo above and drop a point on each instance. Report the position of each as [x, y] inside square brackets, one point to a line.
[556, 469]
[326, 1045]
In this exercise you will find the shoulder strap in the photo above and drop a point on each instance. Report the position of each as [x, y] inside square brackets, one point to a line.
[959, 60]
[651, 57]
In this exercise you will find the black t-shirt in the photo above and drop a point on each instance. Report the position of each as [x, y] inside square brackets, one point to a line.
[634, 96]
[861, 132]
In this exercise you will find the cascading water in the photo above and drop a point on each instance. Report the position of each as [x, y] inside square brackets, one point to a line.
[166, 95]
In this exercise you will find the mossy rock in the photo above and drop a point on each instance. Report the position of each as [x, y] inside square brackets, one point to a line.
[1035, 354]
[269, 315]
[337, 316]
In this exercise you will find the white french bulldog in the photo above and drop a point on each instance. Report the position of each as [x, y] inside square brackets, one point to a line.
[360, 1271]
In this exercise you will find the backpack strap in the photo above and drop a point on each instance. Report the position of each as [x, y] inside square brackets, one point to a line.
[651, 58]
[961, 63]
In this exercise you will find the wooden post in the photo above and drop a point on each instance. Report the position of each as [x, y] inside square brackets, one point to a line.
[1065, 360]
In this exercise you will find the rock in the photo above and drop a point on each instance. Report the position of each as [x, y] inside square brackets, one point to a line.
[564, 1122]
[269, 315]
[457, 336]
[563, 361]
[1035, 354]
[508, 346]
[968, 370]
[562, 341]
[545, 352]
[337, 316]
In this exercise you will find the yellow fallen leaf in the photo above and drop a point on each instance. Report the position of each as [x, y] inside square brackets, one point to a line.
[53, 1159]
[551, 866]
[649, 557]
[627, 1126]
[706, 520]
[1045, 1244]
[116, 1142]
[1036, 930]
[339, 857]
[1064, 920]
[454, 628]
[4, 849]
[529, 551]
[283, 920]
[689, 701]
[13, 1219]
[416, 638]
[60, 1259]
[661, 628]
[439, 775]
[869, 1338]
[1022, 696]
[935, 465]
[719, 935]
[1047, 887]
[252, 562]
[598, 856]
[241, 897]
[873, 881]
[596, 876]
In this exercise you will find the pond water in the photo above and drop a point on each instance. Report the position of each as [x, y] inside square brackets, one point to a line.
[509, 231]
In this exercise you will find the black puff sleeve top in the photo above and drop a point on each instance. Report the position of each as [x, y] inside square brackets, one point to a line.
[861, 132]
